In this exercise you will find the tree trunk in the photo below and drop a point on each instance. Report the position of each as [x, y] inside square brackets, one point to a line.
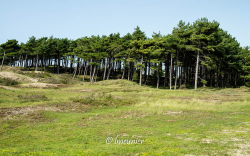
[124, 69]
[196, 70]
[145, 73]
[71, 63]
[85, 71]
[180, 76]
[19, 61]
[170, 72]
[2, 60]
[95, 76]
[141, 72]
[158, 78]
[166, 71]
[58, 64]
[176, 72]
[74, 74]
[110, 68]
[80, 68]
[176, 75]
[36, 62]
[129, 70]
[92, 77]
[26, 61]
[105, 69]
[44, 63]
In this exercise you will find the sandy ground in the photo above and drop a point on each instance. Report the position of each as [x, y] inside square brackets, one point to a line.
[17, 77]
[9, 113]
[28, 82]
[40, 85]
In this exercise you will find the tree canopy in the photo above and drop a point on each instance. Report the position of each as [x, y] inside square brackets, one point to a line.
[193, 55]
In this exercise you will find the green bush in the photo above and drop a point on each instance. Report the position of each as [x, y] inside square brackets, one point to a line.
[248, 83]
[60, 79]
[102, 99]
[136, 76]
[32, 97]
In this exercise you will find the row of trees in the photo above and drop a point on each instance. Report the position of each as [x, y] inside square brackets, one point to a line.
[197, 54]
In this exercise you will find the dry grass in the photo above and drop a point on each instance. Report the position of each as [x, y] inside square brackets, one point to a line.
[17, 77]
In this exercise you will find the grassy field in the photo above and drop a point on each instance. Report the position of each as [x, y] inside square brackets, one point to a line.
[97, 119]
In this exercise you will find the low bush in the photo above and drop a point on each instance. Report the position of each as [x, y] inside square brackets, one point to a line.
[103, 99]
[32, 97]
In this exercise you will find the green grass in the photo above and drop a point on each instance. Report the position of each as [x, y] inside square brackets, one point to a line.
[77, 119]
[7, 82]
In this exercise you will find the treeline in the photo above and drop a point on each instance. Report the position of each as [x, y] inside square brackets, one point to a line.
[193, 55]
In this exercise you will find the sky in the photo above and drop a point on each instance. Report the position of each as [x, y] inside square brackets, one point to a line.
[21, 19]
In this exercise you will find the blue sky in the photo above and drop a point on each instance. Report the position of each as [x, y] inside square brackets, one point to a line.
[20, 19]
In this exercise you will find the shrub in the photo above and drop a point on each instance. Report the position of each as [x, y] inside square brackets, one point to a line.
[32, 98]
[102, 99]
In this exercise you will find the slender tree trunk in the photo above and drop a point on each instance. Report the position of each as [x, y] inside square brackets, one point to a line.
[90, 69]
[158, 78]
[26, 61]
[196, 70]
[170, 72]
[176, 72]
[80, 68]
[110, 68]
[44, 64]
[74, 73]
[32, 62]
[65, 64]
[58, 64]
[36, 62]
[92, 77]
[71, 63]
[105, 69]
[166, 73]
[180, 76]
[124, 69]
[129, 66]
[3, 60]
[19, 61]
[176, 77]
[95, 76]
[141, 71]
[145, 73]
[85, 71]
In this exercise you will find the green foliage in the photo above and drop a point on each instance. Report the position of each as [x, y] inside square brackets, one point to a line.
[245, 63]
[135, 75]
[9, 50]
[204, 82]
[116, 56]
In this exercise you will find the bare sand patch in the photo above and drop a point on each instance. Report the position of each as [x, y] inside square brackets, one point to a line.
[8, 113]
[40, 85]
[17, 77]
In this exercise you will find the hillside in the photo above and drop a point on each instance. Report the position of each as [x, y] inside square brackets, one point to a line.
[51, 114]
